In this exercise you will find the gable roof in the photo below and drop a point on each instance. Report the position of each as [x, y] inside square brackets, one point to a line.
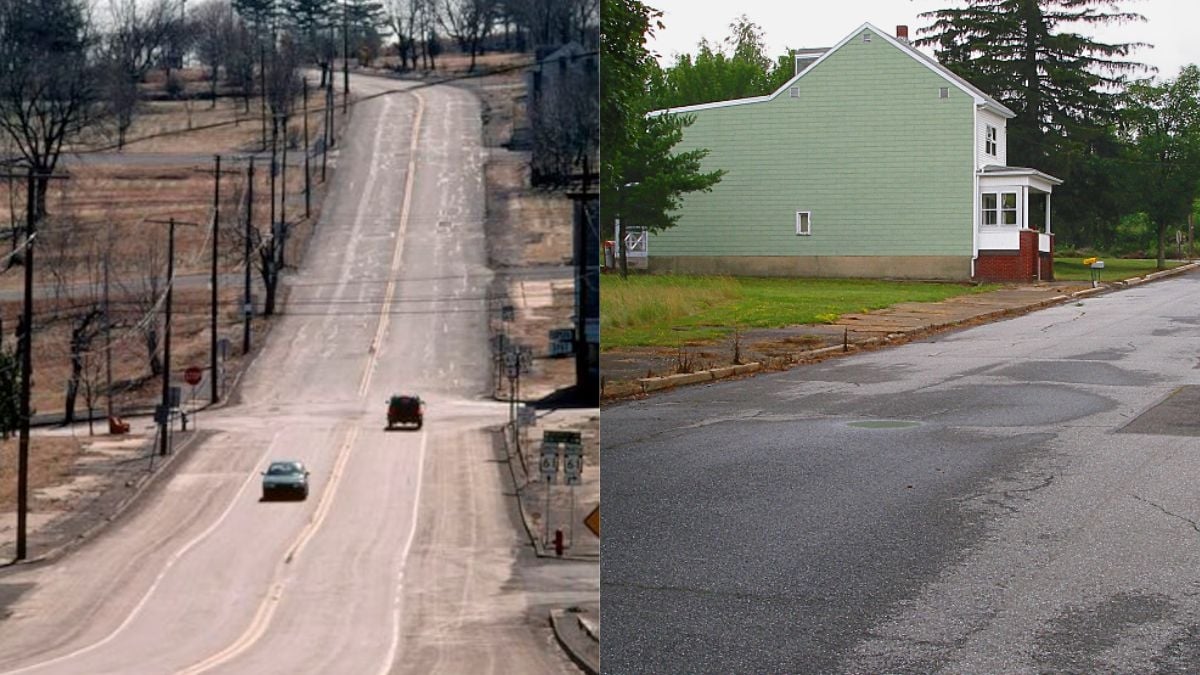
[981, 99]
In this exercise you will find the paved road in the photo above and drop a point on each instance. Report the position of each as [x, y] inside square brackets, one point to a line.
[405, 557]
[1010, 498]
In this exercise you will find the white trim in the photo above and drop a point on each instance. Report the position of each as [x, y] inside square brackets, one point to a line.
[975, 200]
[804, 229]
[904, 47]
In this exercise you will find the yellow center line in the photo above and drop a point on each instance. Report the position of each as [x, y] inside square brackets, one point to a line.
[373, 352]
[266, 609]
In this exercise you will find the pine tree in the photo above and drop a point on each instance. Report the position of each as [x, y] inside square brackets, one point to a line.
[1061, 84]
[1063, 87]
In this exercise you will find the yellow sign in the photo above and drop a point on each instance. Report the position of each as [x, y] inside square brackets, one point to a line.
[1089, 261]
[593, 521]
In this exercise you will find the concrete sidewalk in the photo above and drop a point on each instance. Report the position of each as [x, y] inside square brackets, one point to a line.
[641, 371]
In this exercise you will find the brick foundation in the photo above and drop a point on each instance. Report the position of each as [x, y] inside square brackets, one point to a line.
[1021, 265]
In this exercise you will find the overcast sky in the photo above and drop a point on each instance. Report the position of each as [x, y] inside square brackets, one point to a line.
[1170, 25]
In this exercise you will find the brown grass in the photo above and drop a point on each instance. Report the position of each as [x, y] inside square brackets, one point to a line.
[51, 460]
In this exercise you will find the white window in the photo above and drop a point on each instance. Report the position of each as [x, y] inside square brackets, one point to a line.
[804, 223]
[990, 143]
[998, 208]
[866, 36]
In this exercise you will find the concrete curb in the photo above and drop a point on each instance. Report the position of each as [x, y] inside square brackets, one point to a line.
[618, 390]
[560, 624]
[535, 539]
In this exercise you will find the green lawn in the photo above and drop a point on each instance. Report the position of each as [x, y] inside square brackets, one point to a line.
[1115, 269]
[667, 311]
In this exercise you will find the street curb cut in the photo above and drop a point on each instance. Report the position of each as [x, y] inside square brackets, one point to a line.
[619, 390]
[556, 615]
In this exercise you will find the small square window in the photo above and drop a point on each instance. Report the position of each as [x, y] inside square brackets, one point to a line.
[795, 92]
[944, 92]
[804, 223]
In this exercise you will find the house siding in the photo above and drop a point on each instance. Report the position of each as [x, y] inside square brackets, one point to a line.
[983, 159]
[883, 164]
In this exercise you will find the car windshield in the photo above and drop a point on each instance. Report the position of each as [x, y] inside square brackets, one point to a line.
[283, 469]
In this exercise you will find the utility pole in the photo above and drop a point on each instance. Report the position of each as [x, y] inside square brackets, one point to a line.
[248, 307]
[216, 171]
[345, 55]
[262, 79]
[25, 347]
[107, 337]
[283, 194]
[214, 395]
[307, 152]
[164, 422]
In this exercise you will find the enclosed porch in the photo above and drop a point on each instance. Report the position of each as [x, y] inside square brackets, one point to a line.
[1013, 238]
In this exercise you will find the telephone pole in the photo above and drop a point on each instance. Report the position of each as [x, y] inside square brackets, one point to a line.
[164, 421]
[25, 347]
[307, 152]
[345, 55]
[213, 282]
[247, 306]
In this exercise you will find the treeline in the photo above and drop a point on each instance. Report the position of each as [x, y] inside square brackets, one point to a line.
[1125, 140]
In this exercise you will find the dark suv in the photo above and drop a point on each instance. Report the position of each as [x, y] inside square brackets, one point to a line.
[408, 410]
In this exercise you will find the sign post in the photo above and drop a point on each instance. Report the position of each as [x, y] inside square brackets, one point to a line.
[549, 466]
[572, 470]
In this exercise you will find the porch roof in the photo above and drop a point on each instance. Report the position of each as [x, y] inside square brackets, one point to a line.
[993, 174]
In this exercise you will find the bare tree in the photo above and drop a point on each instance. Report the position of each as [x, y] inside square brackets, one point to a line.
[48, 87]
[403, 18]
[141, 33]
[214, 25]
[146, 287]
[469, 22]
[565, 117]
[77, 266]
[239, 66]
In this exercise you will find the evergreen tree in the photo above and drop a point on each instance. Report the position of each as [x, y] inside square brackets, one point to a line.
[1059, 83]
[1062, 85]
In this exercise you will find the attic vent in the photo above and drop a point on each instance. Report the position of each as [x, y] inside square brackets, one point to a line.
[866, 36]
[795, 92]
[944, 92]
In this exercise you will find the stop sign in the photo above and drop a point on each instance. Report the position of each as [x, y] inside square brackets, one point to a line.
[193, 375]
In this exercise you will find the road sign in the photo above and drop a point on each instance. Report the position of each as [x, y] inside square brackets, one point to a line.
[193, 375]
[555, 437]
[593, 521]
[549, 463]
[562, 341]
[572, 467]
[525, 416]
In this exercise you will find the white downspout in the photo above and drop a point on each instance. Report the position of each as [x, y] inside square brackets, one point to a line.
[975, 190]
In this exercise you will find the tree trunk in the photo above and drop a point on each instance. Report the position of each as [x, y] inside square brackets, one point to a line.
[73, 383]
[152, 352]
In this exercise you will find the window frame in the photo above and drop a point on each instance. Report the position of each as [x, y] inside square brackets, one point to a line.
[998, 210]
[804, 224]
[991, 137]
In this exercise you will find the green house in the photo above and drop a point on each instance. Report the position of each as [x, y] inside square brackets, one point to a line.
[874, 160]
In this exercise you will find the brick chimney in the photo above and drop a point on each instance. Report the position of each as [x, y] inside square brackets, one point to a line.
[902, 34]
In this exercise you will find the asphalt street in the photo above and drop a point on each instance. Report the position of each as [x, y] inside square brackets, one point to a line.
[1008, 498]
[405, 557]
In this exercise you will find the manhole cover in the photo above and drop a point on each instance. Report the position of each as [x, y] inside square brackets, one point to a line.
[883, 424]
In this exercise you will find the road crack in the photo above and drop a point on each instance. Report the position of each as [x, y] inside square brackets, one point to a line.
[1185, 519]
